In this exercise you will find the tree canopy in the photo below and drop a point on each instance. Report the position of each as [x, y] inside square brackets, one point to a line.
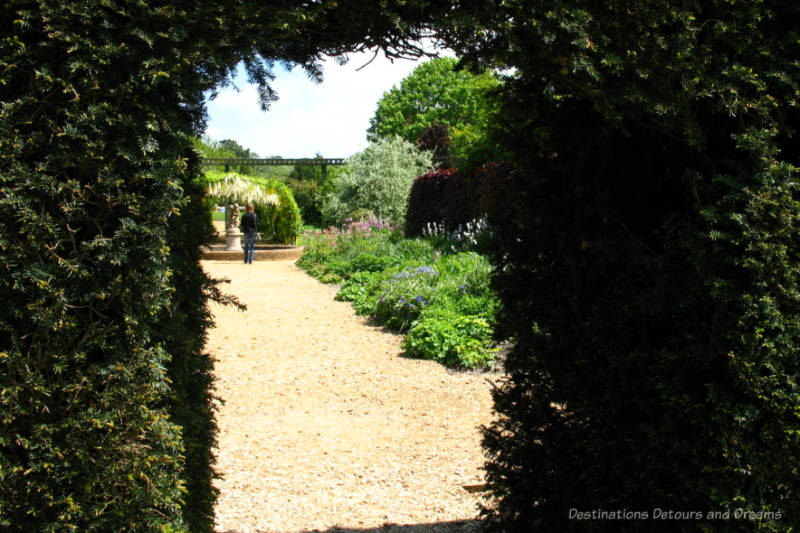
[437, 93]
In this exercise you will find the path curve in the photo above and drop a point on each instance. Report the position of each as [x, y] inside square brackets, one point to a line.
[325, 427]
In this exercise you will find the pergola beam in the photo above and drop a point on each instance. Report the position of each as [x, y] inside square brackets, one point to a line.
[273, 161]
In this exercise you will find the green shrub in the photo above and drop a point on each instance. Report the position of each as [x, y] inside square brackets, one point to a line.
[308, 195]
[378, 181]
[452, 338]
[279, 223]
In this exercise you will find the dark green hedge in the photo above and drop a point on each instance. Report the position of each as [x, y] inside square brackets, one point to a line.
[105, 419]
[648, 259]
[182, 331]
[105, 404]
[307, 194]
[280, 223]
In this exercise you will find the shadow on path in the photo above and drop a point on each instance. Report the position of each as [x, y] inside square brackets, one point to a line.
[459, 526]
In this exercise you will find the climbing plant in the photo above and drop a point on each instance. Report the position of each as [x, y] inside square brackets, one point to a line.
[279, 216]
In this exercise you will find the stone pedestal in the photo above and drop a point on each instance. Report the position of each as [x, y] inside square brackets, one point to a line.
[233, 240]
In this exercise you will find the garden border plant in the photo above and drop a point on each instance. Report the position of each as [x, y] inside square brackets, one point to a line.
[439, 298]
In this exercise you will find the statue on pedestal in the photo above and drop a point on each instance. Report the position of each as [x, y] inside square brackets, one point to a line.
[232, 235]
[232, 216]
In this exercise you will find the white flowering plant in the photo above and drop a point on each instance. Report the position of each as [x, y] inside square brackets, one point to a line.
[471, 236]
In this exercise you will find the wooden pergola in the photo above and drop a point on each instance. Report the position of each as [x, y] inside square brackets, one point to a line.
[275, 162]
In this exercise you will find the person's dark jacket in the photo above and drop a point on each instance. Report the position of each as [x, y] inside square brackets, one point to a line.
[249, 223]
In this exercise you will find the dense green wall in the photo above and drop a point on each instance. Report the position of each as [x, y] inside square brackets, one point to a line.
[106, 411]
[647, 258]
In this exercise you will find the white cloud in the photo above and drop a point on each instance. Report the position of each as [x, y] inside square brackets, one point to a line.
[330, 118]
[214, 133]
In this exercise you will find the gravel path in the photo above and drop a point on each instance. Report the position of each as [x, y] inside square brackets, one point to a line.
[325, 426]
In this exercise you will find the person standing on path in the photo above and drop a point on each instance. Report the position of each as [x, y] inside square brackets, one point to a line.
[249, 226]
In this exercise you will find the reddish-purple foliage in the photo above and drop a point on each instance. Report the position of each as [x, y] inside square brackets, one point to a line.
[436, 139]
[445, 196]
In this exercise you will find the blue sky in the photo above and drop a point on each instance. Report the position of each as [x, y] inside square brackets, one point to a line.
[330, 118]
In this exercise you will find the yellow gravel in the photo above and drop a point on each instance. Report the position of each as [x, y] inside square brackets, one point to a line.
[325, 426]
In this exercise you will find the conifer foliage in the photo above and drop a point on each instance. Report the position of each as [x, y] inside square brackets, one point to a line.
[647, 258]
[105, 404]
[91, 174]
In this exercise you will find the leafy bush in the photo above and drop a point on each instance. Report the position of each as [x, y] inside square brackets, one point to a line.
[452, 338]
[378, 181]
[430, 200]
[449, 199]
[399, 281]
[308, 196]
[279, 223]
